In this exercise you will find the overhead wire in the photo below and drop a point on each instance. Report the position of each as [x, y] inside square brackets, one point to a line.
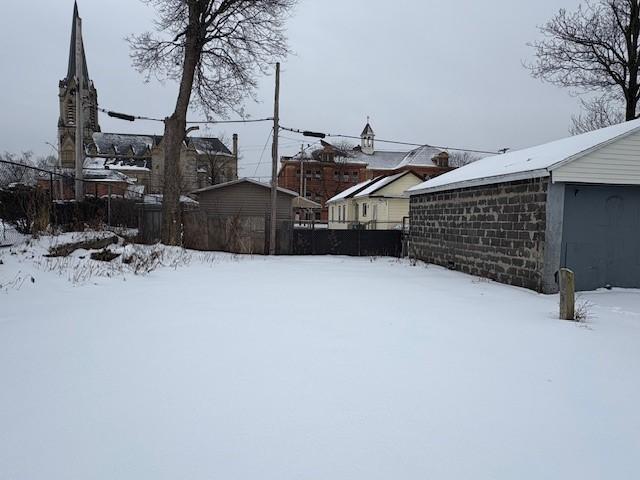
[396, 142]
[131, 118]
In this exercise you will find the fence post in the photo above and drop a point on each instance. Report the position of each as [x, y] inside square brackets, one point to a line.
[109, 205]
[567, 294]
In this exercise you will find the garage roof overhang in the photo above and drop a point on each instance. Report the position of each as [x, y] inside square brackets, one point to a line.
[478, 182]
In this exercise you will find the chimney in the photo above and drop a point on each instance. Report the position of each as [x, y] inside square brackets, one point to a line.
[235, 146]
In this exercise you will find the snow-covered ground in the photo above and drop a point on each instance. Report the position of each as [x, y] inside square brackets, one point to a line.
[223, 367]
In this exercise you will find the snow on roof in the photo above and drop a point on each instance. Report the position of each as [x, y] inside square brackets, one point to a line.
[378, 159]
[389, 160]
[531, 162]
[301, 202]
[383, 182]
[421, 156]
[351, 191]
[157, 198]
[120, 164]
[121, 143]
[208, 146]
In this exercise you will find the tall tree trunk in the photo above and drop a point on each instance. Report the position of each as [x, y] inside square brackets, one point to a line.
[174, 134]
[633, 37]
[174, 130]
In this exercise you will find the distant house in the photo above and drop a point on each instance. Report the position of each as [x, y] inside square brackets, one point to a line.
[332, 169]
[377, 204]
[520, 217]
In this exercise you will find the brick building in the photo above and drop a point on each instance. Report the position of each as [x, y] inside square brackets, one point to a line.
[520, 217]
[330, 170]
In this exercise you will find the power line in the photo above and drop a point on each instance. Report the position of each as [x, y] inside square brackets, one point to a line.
[396, 142]
[263, 150]
[132, 118]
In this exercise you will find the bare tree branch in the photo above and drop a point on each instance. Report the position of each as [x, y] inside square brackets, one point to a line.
[598, 112]
[215, 49]
[594, 49]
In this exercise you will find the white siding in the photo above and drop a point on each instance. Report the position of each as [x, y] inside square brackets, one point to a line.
[617, 163]
[398, 209]
[399, 187]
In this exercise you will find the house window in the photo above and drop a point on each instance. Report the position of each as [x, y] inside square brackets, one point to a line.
[339, 213]
[344, 213]
[318, 174]
[364, 209]
[332, 213]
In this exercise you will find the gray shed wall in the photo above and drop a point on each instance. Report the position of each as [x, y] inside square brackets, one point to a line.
[246, 200]
[494, 231]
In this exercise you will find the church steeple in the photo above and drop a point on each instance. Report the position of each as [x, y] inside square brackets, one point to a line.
[67, 98]
[366, 139]
[72, 71]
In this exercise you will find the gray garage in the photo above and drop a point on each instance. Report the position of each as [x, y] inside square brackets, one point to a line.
[518, 218]
[601, 235]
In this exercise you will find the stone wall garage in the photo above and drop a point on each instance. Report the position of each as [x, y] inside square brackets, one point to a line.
[518, 218]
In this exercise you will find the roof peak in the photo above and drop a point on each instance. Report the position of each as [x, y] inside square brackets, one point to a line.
[368, 131]
[72, 67]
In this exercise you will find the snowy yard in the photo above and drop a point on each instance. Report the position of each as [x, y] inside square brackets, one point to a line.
[309, 368]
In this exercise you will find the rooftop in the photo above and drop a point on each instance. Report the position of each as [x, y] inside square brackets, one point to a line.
[531, 162]
[243, 180]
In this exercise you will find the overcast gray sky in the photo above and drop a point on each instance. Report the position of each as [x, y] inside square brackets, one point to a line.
[438, 72]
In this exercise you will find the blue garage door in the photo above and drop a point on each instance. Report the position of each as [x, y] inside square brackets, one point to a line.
[601, 236]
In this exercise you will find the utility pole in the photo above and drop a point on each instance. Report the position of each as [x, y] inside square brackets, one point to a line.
[302, 170]
[79, 113]
[274, 165]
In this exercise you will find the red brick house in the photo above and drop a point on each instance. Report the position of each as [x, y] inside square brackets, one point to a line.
[330, 170]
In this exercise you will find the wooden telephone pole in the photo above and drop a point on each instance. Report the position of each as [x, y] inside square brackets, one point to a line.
[302, 182]
[274, 166]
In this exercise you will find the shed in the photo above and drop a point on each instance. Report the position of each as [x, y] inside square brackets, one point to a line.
[519, 217]
[245, 197]
[234, 217]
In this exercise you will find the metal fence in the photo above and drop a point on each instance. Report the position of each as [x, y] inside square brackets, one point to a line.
[34, 199]
[358, 243]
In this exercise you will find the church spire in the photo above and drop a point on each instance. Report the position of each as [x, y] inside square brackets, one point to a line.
[72, 70]
[68, 97]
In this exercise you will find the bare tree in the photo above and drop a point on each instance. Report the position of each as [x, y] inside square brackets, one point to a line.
[215, 49]
[597, 112]
[460, 159]
[14, 169]
[594, 49]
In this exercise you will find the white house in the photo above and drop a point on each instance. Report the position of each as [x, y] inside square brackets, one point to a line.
[378, 204]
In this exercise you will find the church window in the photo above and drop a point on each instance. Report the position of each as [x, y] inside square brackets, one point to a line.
[71, 113]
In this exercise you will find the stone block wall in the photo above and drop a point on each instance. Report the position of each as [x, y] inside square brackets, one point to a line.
[493, 231]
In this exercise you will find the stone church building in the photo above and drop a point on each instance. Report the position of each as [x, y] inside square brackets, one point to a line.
[136, 160]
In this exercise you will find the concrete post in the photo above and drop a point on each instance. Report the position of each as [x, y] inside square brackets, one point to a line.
[567, 294]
